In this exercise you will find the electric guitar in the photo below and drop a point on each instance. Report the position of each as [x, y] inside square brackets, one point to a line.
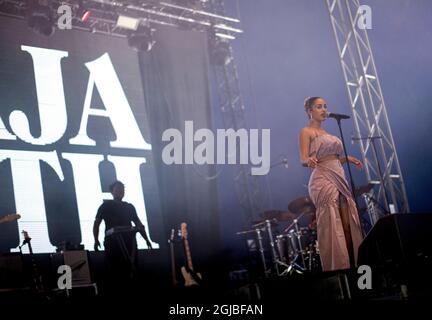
[9, 218]
[191, 278]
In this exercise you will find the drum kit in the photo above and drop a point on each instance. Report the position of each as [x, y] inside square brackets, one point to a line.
[294, 249]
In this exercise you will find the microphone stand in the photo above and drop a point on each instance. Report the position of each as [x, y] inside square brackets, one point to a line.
[349, 170]
[284, 161]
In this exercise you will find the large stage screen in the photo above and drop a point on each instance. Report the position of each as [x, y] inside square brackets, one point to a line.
[72, 120]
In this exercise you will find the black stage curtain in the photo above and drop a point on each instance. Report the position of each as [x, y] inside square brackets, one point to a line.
[177, 89]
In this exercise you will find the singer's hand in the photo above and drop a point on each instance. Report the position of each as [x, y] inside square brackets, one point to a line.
[97, 245]
[312, 162]
[355, 162]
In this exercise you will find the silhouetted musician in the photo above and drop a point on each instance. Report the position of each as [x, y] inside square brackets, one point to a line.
[120, 236]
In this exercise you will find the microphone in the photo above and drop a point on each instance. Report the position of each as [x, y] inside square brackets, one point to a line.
[337, 116]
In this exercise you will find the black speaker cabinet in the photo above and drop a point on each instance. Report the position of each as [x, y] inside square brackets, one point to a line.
[398, 239]
[11, 270]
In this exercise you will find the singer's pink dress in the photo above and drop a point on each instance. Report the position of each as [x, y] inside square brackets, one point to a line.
[327, 184]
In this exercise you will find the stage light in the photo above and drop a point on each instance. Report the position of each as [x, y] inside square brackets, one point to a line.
[142, 40]
[39, 18]
[127, 22]
[81, 12]
[85, 15]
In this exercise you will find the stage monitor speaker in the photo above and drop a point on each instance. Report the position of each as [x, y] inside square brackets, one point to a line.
[398, 239]
[11, 271]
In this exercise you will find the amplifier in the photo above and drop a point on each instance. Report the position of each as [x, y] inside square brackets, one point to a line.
[398, 239]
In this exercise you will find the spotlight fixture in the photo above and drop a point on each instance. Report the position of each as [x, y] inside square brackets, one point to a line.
[85, 14]
[126, 22]
[82, 13]
[39, 17]
[142, 40]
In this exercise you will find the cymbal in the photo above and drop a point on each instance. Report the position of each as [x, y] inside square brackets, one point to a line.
[302, 205]
[363, 189]
[259, 223]
[245, 232]
[278, 215]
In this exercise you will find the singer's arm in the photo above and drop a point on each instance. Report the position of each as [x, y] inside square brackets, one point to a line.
[304, 144]
[343, 160]
[353, 160]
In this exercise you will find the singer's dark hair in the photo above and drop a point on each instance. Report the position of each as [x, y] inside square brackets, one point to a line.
[309, 102]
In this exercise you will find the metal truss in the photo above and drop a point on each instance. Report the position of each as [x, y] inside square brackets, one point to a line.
[249, 188]
[104, 15]
[370, 115]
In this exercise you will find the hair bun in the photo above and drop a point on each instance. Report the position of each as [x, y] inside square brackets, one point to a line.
[309, 101]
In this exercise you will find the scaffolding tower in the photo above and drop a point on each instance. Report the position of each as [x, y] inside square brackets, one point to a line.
[249, 188]
[369, 110]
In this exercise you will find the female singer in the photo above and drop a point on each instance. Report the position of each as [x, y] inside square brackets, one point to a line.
[338, 226]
